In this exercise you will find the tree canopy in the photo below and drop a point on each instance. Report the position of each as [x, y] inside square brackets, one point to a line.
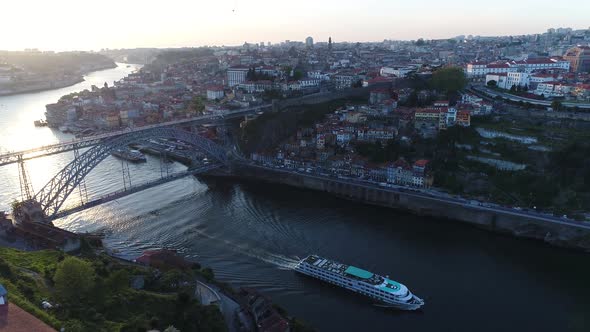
[449, 80]
[74, 278]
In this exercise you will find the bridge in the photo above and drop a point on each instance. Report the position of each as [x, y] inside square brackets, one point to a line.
[19, 156]
[53, 195]
[131, 190]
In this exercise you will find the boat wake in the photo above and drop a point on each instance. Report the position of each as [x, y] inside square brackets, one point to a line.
[281, 261]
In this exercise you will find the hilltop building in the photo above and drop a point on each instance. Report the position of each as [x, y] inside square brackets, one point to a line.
[579, 58]
[236, 75]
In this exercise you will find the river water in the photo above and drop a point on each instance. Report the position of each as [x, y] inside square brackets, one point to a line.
[252, 234]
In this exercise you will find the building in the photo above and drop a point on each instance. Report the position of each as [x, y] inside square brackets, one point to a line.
[309, 42]
[215, 92]
[530, 65]
[463, 118]
[399, 173]
[256, 86]
[379, 95]
[581, 91]
[262, 311]
[396, 71]
[537, 78]
[511, 79]
[421, 176]
[427, 121]
[236, 75]
[500, 79]
[579, 58]
[516, 79]
[553, 89]
[480, 69]
[162, 259]
[345, 80]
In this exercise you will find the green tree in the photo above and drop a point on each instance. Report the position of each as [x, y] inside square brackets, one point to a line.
[197, 105]
[297, 74]
[208, 274]
[420, 42]
[74, 279]
[449, 80]
[492, 83]
[118, 281]
[74, 326]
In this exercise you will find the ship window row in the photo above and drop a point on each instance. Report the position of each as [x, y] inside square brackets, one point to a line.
[331, 275]
[379, 292]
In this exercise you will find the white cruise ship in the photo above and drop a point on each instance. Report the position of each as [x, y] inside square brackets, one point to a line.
[381, 289]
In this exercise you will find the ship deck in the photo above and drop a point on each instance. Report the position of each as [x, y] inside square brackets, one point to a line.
[344, 270]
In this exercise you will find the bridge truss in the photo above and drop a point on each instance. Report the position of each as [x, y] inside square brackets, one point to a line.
[53, 195]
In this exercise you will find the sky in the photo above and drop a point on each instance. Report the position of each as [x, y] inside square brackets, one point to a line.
[91, 25]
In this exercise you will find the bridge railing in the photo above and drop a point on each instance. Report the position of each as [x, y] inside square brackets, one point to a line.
[12, 157]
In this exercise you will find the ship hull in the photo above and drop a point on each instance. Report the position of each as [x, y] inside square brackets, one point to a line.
[405, 301]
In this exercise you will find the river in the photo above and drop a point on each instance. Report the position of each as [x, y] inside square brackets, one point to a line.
[252, 234]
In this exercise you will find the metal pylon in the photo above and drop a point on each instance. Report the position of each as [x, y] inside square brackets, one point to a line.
[26, 188]
[164, 167]
[82, 190]
[126, 174]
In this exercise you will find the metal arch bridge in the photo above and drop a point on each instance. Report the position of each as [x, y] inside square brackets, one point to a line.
[19, 156]
[53, 195]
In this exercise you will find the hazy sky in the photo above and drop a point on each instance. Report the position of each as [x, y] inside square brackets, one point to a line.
[84, 24]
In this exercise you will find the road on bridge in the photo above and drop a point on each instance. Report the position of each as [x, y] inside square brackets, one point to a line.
[13, 157]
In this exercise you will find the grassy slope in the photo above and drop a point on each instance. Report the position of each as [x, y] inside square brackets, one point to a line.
[27, 277]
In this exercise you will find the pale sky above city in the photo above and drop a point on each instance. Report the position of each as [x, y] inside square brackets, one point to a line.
[85, 25]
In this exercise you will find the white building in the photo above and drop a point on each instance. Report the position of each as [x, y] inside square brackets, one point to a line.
[471, 98]
[309, 82]
[215, 92]
[500, 79]
[396, 71]
[535, 79]
[517, 79]
[553, 89]
[480, 69]
[236, 75]
[319, 75]
[451, 117]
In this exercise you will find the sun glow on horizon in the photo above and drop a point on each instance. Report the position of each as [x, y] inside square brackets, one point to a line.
[75, 25]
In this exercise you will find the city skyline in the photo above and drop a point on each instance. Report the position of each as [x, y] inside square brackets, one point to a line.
[66, 25]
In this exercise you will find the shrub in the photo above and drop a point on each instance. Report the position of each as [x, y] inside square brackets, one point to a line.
[74, 278]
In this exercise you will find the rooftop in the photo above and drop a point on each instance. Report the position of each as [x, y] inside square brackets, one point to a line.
[360, 273]
[18, 320]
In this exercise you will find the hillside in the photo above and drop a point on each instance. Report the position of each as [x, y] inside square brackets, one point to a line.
[93, 293]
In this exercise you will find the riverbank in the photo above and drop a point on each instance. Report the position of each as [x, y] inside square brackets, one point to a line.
[515, 223]
[52, 85]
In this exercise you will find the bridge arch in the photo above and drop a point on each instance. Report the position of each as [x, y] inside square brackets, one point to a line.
[56, 191]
